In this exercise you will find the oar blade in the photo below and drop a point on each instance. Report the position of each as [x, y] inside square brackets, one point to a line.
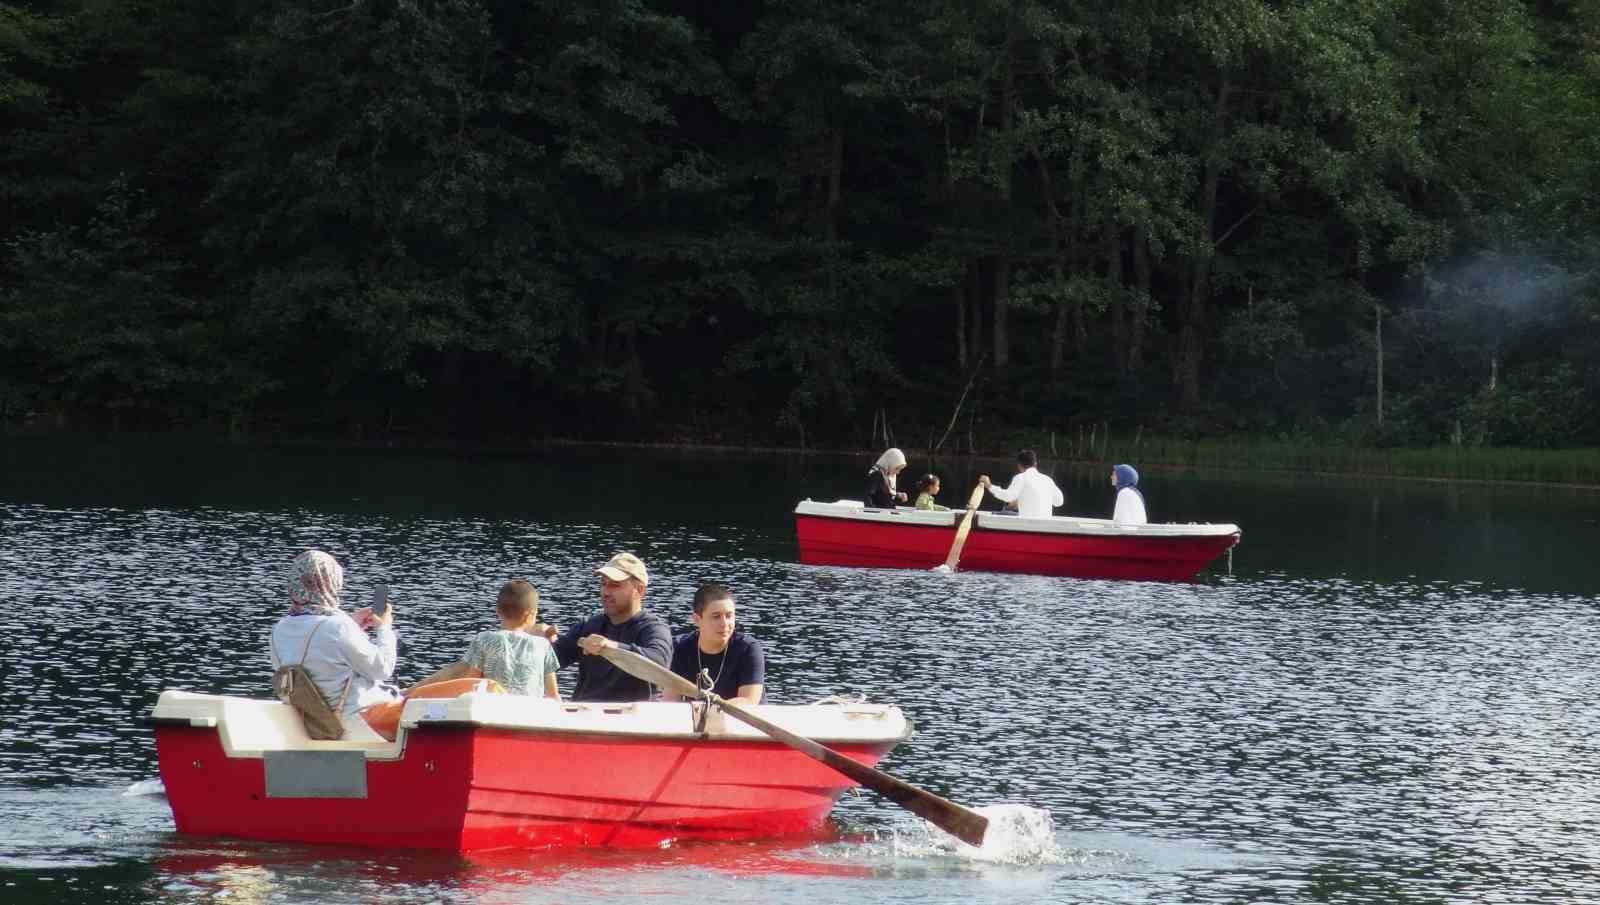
[963, 823]
[962, 531]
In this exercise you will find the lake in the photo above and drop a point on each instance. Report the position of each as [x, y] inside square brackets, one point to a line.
[1389, 694]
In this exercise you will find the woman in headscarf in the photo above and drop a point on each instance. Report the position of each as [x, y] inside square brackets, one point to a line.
[1130, 502]
[349, 669]
[881, 492]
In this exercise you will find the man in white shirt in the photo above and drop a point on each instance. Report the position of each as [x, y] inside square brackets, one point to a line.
[1033, 491]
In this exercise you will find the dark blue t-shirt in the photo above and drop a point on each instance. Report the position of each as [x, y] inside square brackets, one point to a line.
[645, 634]
[743, 663]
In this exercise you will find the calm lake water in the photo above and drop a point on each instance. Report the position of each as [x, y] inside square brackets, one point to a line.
[1393, 697]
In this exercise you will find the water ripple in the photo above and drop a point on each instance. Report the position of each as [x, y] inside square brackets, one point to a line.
[1281, 736]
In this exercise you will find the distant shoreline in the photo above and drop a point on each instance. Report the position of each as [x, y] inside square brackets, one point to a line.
[1577, 469]
[1008, 458]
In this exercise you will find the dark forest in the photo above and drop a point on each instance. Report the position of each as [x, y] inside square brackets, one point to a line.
[815, 222]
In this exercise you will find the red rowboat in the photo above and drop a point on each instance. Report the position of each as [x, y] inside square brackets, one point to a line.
[486, 771]
[846, 533]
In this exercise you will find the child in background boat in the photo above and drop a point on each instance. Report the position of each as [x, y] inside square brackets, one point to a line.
[517, 655]
[927, 489]
[1130, 502]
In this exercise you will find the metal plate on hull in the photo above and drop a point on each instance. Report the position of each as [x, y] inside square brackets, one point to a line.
[316, 774]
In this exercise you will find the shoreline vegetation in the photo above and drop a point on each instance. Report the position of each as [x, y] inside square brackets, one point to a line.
[1572, 468]
[1576, 468]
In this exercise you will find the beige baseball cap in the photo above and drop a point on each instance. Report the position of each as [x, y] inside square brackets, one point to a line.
[624, 566]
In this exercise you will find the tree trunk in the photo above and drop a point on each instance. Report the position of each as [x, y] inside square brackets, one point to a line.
[1190, 346]
[600, 348]
[1002, 290]
[1075, 268]
[1192, 314]
[635, 392]
[1377, 335]
[1112, 239]
[1052, 218]
[958, 295]
[1138, 310]
[1058, 333]
[1002, 264]
[975, 301]
[958, 292]
[835, 172]
[452, 381]
[1080, 326]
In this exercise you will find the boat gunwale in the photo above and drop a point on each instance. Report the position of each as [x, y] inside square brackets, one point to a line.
[700, 737]
[562, 733]
[411, 723]
[1128, 532]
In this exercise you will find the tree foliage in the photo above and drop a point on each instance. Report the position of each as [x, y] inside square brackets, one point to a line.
[788, 221]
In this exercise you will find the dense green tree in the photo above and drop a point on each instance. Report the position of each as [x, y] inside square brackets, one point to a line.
[97, 315]
[788, 221]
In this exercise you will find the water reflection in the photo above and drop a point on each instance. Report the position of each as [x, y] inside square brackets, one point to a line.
[1106, 867]
[328, 874]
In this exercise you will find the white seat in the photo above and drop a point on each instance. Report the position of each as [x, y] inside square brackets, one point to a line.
[248, 726]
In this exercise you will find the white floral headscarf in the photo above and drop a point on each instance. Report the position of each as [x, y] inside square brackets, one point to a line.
[315, 583]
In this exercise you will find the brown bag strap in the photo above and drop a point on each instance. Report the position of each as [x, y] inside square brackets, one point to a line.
[339, 710]
[305, 651]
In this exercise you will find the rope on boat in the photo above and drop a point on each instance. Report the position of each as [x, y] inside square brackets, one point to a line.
[703, 682]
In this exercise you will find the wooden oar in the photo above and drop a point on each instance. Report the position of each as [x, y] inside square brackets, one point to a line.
[961, 532]
[963, 823]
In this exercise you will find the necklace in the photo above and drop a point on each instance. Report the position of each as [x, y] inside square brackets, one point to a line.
[699, 662]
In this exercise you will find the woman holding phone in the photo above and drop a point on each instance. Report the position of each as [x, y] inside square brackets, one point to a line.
[349, 669]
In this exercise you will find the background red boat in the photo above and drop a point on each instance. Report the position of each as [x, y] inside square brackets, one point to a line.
[487, 771]
[846, 533]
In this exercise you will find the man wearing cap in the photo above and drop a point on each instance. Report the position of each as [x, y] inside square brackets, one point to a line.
[622, 622]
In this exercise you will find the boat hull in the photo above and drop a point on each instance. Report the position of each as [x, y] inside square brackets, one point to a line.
[467, 787]
[837, 535]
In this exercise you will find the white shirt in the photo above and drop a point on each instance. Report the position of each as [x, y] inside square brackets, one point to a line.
[1130, 508]
[1033, 492]
[340, 652]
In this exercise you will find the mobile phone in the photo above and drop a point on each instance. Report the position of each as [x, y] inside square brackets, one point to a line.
[380, 600]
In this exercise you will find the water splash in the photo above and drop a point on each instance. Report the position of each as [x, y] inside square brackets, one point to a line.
[145, 787]
[1017, 834]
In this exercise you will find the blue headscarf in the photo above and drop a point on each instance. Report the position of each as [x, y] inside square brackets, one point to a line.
[1126, 476]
